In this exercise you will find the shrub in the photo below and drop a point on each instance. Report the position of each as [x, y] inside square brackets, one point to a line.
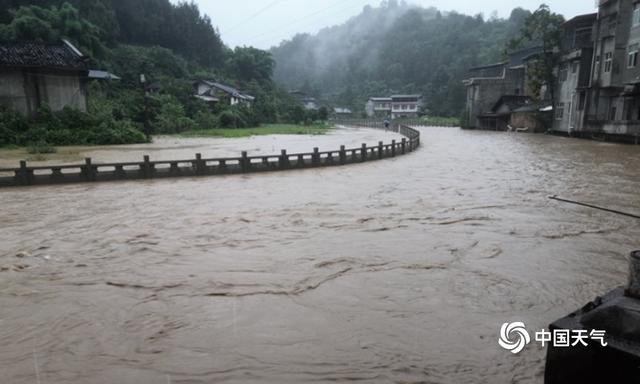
[40, 148]
[206, 120]
[67, 127]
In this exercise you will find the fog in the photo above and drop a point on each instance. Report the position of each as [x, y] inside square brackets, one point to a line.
[264, 23]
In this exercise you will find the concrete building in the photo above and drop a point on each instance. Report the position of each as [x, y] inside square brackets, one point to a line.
[486, 85]
[213, 92]
[378, 107]
[574, 74]
[614, 94]
[405, 106]
[36, 74]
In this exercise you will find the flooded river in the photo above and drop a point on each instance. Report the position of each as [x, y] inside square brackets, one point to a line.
[401, 270]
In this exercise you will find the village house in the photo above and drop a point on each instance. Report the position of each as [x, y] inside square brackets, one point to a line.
[598, 78]
[339, 112]
[33, 75]
[309, 103]
[214, 92]
[487, 85]
[378, 106]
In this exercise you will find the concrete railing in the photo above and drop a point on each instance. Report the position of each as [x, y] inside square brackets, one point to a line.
[199, 166]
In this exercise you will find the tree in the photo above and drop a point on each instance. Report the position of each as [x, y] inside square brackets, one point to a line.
[543, 28]
[249, 63]
[323, 114]
[52, 24]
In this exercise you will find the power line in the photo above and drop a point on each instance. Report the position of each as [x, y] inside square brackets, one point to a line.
[270, 33]
[260, 12]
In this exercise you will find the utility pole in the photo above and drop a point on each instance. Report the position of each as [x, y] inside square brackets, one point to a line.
[145, 116]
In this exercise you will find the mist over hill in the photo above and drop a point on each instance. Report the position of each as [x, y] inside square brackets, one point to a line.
[395, 48]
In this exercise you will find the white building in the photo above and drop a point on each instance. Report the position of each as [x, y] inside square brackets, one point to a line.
[378, 106]
[405, 106]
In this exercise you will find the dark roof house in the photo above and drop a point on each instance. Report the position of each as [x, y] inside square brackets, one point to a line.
[36, 74]
[211, 91]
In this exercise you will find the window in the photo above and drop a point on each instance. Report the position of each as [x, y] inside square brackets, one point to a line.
[608, 62]
[632, 61]
[560, 111]
[564, 71]
[636, 14]
[582, 101]
[574, 67]
[597, 64]
[614, 113]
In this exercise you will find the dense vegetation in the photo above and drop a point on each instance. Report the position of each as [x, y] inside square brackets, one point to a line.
[172, 44]
[395, 48]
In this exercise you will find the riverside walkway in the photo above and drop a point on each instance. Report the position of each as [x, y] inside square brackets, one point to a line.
[199, 166]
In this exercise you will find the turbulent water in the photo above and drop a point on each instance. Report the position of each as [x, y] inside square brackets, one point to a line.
[395, 271]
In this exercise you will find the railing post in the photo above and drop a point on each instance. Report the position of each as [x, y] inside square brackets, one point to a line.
[145, 167]
[404, 145]
[284, 160]
[343, 155]
[23, 175]
[200, 165]
[380, 149]
[222, 166]
[244, 162]
[393, 148]
[88, 170]
[315, 158]
[363, 152]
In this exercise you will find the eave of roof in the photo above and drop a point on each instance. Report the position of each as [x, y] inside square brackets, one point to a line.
[42, 55]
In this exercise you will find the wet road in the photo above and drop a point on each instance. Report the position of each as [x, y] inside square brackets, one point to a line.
[395, 271]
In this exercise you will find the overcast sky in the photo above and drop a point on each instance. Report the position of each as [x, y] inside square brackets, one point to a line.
[264, 23]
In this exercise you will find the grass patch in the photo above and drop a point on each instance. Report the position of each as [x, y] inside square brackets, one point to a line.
[266, 129]
[40, 148]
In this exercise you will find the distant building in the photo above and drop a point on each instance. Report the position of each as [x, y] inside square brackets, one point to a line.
[405, 106]
[486, 85]
[309, 103]
[379, 106]
[213, 92]
[36, 74]
[342, 112]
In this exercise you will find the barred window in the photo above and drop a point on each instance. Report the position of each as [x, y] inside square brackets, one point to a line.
[632, 61]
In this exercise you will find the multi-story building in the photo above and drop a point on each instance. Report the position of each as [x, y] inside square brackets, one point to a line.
[574, 74]
[614, 97]
[403, 106]
[379, 106]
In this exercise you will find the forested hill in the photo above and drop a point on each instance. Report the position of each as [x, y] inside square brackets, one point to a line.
[103, 23]
[395, 48]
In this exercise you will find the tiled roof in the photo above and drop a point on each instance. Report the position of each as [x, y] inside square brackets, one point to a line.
[41, 55]
[230, 90]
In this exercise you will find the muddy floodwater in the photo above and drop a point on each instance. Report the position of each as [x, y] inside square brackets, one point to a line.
[399, 271]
